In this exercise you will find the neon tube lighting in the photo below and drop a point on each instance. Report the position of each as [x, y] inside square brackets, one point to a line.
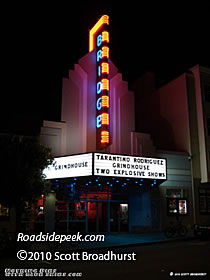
[103, 20]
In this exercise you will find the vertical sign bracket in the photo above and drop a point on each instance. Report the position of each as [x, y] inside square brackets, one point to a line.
[99, 39]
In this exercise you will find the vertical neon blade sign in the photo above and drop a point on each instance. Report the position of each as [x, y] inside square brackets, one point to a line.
[99, 39]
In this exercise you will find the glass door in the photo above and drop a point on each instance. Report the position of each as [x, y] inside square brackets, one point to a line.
[119, 217]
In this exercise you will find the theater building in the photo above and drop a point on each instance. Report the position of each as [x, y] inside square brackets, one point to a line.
[107, 177]
[178, 117]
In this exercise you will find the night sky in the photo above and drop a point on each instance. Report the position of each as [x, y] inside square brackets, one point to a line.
[41, 43]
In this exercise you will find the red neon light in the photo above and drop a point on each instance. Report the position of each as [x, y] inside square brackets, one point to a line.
[103, 20]
[105, 84]
[105, 36]
[105, 52]
[105, 101]
[104, 136]
[105, 67]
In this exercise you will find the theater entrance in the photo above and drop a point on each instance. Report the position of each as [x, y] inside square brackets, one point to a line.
[95, 208]
[92, 216]
[106, 216]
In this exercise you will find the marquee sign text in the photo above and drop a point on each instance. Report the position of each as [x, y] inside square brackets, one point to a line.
[100, 164]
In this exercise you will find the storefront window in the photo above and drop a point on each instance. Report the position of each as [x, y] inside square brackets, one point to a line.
[182, 206]
[176, 206]
[4, 211]
[32, 218]
[173, 193]
[172, 206]
[80, 206]
[204, 201]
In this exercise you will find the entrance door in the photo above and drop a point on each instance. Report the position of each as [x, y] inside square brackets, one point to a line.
[103, 219]
[92, 214]
[70, 216]
[155, 207]
[124, 217]
[97, 216]
[119, 217]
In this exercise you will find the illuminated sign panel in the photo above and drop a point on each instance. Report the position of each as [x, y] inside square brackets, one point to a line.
[70, 166]
[99, 39]
[177, 206]
[182, 206]
[129, 166]
[101, 164]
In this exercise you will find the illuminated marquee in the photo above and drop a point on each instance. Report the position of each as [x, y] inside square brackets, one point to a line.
[99, 39]
[114, 165]
[70, 166]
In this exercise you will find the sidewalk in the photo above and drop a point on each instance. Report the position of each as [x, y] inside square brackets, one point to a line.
[117, 240]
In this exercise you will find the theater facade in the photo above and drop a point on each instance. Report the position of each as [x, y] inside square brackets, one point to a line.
[107, 177]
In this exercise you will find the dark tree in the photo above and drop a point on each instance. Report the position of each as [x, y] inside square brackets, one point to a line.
[22, 162]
